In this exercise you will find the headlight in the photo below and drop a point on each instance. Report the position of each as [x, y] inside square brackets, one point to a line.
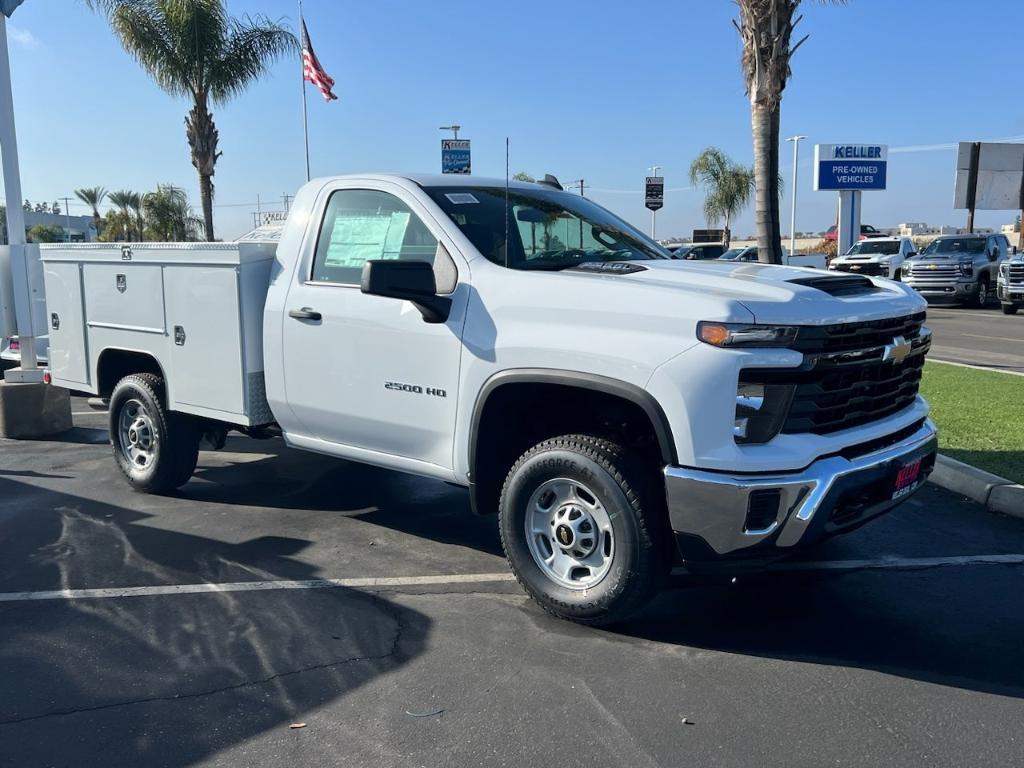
[746, 334]
[1004, 269]
[966, 268]
[906, 268]
[760, 411]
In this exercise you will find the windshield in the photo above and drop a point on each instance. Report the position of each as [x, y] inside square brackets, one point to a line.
[732, 254]
[954, 245]
[547, 228]
[874, 246]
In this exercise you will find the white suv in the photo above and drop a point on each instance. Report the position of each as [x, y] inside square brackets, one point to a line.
[877, 256]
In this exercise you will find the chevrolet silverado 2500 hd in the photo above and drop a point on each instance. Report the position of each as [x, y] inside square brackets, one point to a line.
[623, 413]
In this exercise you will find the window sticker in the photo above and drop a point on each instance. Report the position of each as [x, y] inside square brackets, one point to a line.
[357, 239]
[461, 198]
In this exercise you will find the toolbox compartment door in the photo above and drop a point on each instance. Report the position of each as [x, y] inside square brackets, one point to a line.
[67, 356]
[205, 334]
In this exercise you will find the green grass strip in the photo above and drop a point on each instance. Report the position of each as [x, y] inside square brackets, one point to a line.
[980, 415]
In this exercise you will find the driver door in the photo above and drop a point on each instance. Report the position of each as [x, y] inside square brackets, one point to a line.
[367, 373]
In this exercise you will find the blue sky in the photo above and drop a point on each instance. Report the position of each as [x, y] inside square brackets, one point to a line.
[584, 88]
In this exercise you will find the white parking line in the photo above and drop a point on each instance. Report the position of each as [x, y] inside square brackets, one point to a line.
[253, 586]
[882, 563]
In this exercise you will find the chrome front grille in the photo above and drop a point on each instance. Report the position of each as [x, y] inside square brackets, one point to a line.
[876, 269]
[1016, 276]
[935, 271]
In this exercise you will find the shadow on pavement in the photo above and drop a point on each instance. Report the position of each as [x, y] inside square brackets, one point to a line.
[257, 473]
[950, 626]
[170, 680]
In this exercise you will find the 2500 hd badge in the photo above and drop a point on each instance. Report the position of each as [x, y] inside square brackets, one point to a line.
[416, 389]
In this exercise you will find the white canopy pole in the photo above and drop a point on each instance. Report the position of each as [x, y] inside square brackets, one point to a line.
[20, 253]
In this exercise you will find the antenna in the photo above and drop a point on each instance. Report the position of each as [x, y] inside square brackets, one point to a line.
[507, 209]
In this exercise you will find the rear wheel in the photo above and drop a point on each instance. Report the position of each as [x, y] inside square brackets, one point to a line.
[1009, 309]
[581, 525]
[155, 449]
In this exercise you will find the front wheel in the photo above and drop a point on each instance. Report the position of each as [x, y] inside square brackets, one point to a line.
[155, 449]
[581, 525]
[982, 298]
[1009, 309]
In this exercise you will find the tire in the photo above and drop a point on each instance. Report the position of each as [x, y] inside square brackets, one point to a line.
[571, 482]
[155, 449]
[1009, 309]
[981, 300]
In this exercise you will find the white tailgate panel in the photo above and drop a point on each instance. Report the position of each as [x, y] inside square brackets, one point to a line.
[128, 296]
[207, 368]
[67, 355]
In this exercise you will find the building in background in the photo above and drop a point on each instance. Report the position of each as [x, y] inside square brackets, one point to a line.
[82, 227]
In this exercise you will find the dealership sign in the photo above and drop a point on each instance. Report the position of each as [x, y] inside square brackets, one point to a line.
[847, 167]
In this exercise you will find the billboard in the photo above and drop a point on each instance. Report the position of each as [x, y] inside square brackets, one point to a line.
[991, 174]
[455, 156]
[849, 167]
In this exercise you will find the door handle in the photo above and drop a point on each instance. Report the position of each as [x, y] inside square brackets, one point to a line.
[304, 314]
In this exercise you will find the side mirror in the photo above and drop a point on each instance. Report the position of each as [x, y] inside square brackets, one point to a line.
[407, 280]
[911, 254]
[993, 255]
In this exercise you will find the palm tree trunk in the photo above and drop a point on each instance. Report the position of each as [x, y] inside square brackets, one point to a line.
[202, 139]
[206, 196]
[727, 234]
[765, 127]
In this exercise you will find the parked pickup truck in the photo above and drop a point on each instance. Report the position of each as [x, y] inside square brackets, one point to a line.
[623, 413]
[880, 256]
[958, 269]
[1010, 283]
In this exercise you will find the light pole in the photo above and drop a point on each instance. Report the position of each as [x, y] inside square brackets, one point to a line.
[453, 128]
[792, 217]
[654, 213]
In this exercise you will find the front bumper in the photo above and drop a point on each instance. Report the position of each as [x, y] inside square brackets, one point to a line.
[1010, 294]
[711, 512]
[946, 290]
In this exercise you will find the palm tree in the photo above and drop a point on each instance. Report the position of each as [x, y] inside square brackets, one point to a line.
[135, 204]
[766, 28]
[192, 48]
[168, 215]
[93, 197]
[727, 187]
[121, 199]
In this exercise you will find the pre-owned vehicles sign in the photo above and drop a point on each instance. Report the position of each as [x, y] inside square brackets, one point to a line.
[850, 166]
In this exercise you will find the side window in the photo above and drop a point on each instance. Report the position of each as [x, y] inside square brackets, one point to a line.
[362, 224]
[993, 246]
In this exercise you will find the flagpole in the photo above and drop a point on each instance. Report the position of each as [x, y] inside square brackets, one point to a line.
[302, 82]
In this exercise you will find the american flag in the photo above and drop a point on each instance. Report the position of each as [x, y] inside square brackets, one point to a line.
[311, 69]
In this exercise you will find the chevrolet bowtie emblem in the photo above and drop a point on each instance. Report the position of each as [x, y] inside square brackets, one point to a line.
[896, 352]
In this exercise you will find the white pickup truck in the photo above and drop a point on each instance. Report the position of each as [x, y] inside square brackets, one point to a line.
[623, 413]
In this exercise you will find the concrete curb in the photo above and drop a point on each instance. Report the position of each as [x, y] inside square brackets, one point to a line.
[995, 492]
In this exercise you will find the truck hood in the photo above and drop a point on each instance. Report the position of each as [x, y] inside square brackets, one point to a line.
[774, 294]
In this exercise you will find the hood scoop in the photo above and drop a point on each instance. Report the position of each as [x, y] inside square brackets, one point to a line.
[839, 285]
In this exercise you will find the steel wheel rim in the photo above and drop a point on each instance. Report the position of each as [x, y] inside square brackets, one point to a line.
[137, 434]
[569, 533]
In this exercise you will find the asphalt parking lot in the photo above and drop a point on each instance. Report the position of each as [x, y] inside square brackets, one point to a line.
[900, 644]
[984, 337]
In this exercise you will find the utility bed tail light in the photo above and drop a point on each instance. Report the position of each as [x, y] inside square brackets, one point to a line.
[15, 345]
